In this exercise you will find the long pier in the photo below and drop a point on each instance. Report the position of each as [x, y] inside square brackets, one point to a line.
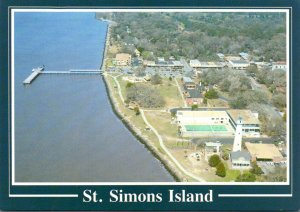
[41, 70]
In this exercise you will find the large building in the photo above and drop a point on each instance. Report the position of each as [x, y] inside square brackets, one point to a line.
[195, 123]
[198, 64]
[123, 59]
[251, 124]
[188, 117]
[264, 152]
[238, 64]
[203, 123]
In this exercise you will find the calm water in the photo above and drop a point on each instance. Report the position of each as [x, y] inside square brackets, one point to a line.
[65, 130]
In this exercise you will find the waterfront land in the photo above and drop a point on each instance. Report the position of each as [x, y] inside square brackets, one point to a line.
[147, 103]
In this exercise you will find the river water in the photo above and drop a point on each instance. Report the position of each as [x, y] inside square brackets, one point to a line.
[65, 129]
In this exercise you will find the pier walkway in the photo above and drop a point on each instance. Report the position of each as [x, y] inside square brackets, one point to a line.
[37, 71]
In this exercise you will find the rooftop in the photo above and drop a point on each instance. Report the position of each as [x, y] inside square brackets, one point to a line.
[194, 93]
[187, 79]
[247, 116]
[263, 151]
[213, 144]
[239, 61]
[202, 114]
[280, 63]
[240, 155]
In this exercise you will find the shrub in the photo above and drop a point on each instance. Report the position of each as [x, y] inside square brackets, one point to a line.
[194, 107]
[214, 160]
[129, 84]
[221, 170]
[256, 169]
[137, 111]
[225, 156]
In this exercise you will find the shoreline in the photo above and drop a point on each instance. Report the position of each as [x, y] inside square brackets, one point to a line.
[169, 166]
[153, 150]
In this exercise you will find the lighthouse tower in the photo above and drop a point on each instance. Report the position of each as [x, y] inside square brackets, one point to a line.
[237, 143]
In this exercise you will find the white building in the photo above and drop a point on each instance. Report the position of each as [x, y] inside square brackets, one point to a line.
[195, 63]
[238, 64]
[240, 160]
[198, 64]
[202, 117]
[279, 65]
[250, 125]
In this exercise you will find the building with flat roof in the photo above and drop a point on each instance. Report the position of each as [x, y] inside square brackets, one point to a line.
[244, 55]
[238, 64]
[195, 63]
[123, 59]
[279, 65]
[264, 152]
[198, 117]
[251, 124]
[240, 160]
[198, 64]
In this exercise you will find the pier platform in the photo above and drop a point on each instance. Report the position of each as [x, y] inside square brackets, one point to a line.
[33, 75]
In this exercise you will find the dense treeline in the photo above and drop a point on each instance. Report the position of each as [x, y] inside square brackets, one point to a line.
[201, 35]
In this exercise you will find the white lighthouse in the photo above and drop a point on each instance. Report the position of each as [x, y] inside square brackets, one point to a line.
[237, 143]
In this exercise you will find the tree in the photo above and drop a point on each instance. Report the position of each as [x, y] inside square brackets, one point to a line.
[225, 156]
[225, 85]
[194, 107]
[256, 169]
[156, 79]
[279, 100]
[211, 94]
[252, 69]
[246, 177]
[214, 160]
[129, 84]
[221, 170]
[137, 111]
[145, 95]
[238, 103]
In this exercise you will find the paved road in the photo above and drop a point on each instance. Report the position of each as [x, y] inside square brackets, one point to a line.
[186, 66]
[161, 143]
